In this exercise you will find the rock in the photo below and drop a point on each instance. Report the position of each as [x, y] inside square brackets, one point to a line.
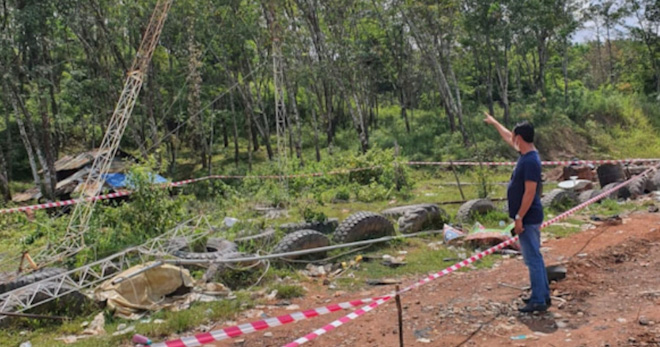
[580, 314]
[561, 325]
[268, 334]
[622, 320]
[293, 308]
[643, 321]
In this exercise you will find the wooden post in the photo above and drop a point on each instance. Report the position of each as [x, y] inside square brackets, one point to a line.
[460, 189]
[397, 298]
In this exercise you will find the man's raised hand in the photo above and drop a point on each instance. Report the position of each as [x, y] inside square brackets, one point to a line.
[489, 119]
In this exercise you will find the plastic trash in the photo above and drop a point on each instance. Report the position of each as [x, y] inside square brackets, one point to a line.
[230, 221]
[143, 340]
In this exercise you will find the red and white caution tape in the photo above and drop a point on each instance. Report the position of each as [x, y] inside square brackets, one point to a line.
[65, 202]
[352, 316]
[247, 328]
[173, 184]
[546, 163]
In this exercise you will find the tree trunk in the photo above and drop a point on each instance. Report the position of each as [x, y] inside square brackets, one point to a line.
[4, 181]
[48, 147]
[28, 147]
[235, 126]
[358, 122]
[564, 69]
[9, 145]
[316, 135]
[404, 111]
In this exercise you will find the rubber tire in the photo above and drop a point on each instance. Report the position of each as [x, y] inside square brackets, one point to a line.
[610, 173]
[622, 193]
[637, 187]
[33, 277]
[588, 195]
[363, 226]
[653, 183]
[422, 218]
[302, 239]
[470, 209]
[397, 212]
[558, 197]
[327, 227]
[220, 249]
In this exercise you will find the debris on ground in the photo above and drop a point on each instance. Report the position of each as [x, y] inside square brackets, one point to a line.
[164, 287]
[383, 281]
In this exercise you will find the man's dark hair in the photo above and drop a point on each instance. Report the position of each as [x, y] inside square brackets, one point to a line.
[525, 130]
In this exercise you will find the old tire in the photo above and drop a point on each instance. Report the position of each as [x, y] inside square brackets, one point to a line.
[216, 248]
[422, 219]
[622, 193]
[326, 227]
[470, 209]
[610, 173]
[300, 240]
[653, 182]
[588, 195]
[637, 187]
[33, 277]
[396, 212]
[363, 226]
[558, 198]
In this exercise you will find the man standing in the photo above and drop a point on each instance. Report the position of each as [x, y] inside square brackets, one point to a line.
[524, 198]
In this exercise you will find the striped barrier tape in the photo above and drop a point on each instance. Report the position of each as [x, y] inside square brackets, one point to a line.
[546, 163]
[247, 328]
[354, 315]
[315, 174]
[173, 184]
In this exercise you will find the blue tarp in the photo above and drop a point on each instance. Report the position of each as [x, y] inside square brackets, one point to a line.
[118, 180]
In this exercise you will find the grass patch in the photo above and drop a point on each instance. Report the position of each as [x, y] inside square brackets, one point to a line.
[288, 291]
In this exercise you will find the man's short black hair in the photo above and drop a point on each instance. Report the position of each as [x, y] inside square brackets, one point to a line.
[525, 130]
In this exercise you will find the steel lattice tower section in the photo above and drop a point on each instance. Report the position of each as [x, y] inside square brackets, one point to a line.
[73, 240]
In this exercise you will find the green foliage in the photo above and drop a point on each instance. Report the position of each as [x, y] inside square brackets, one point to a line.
[288, 291]
[310, 215]
[148, 212]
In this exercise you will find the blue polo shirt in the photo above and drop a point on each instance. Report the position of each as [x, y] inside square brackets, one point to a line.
[528, 168]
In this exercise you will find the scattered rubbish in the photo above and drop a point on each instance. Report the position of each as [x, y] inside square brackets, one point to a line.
[143, 340]
[230, 221]
[643, 321]
[423, 340]
[423, 333]
[292, 308]
[512, 286]
[382, 281]
[523, 337]
[622, 320]
[451, 234]
[480, 236]
[97, 327]
[556, 272]
[26, 344]
[158, 321]
[653, 209]
[268, 334]
[150, 290]
[124, 331]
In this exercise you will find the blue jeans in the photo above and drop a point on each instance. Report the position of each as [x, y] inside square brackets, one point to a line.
[530, 243]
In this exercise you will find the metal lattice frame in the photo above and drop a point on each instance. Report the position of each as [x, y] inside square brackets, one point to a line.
[87, 276]
[73, 240]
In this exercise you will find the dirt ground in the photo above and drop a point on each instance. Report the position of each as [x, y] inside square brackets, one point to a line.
[610, 297]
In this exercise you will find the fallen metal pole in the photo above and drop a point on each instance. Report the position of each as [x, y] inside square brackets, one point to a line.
[272, 256]
[30, 315]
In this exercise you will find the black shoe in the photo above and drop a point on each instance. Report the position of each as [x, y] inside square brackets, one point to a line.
[529, 308]
[548, 301]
